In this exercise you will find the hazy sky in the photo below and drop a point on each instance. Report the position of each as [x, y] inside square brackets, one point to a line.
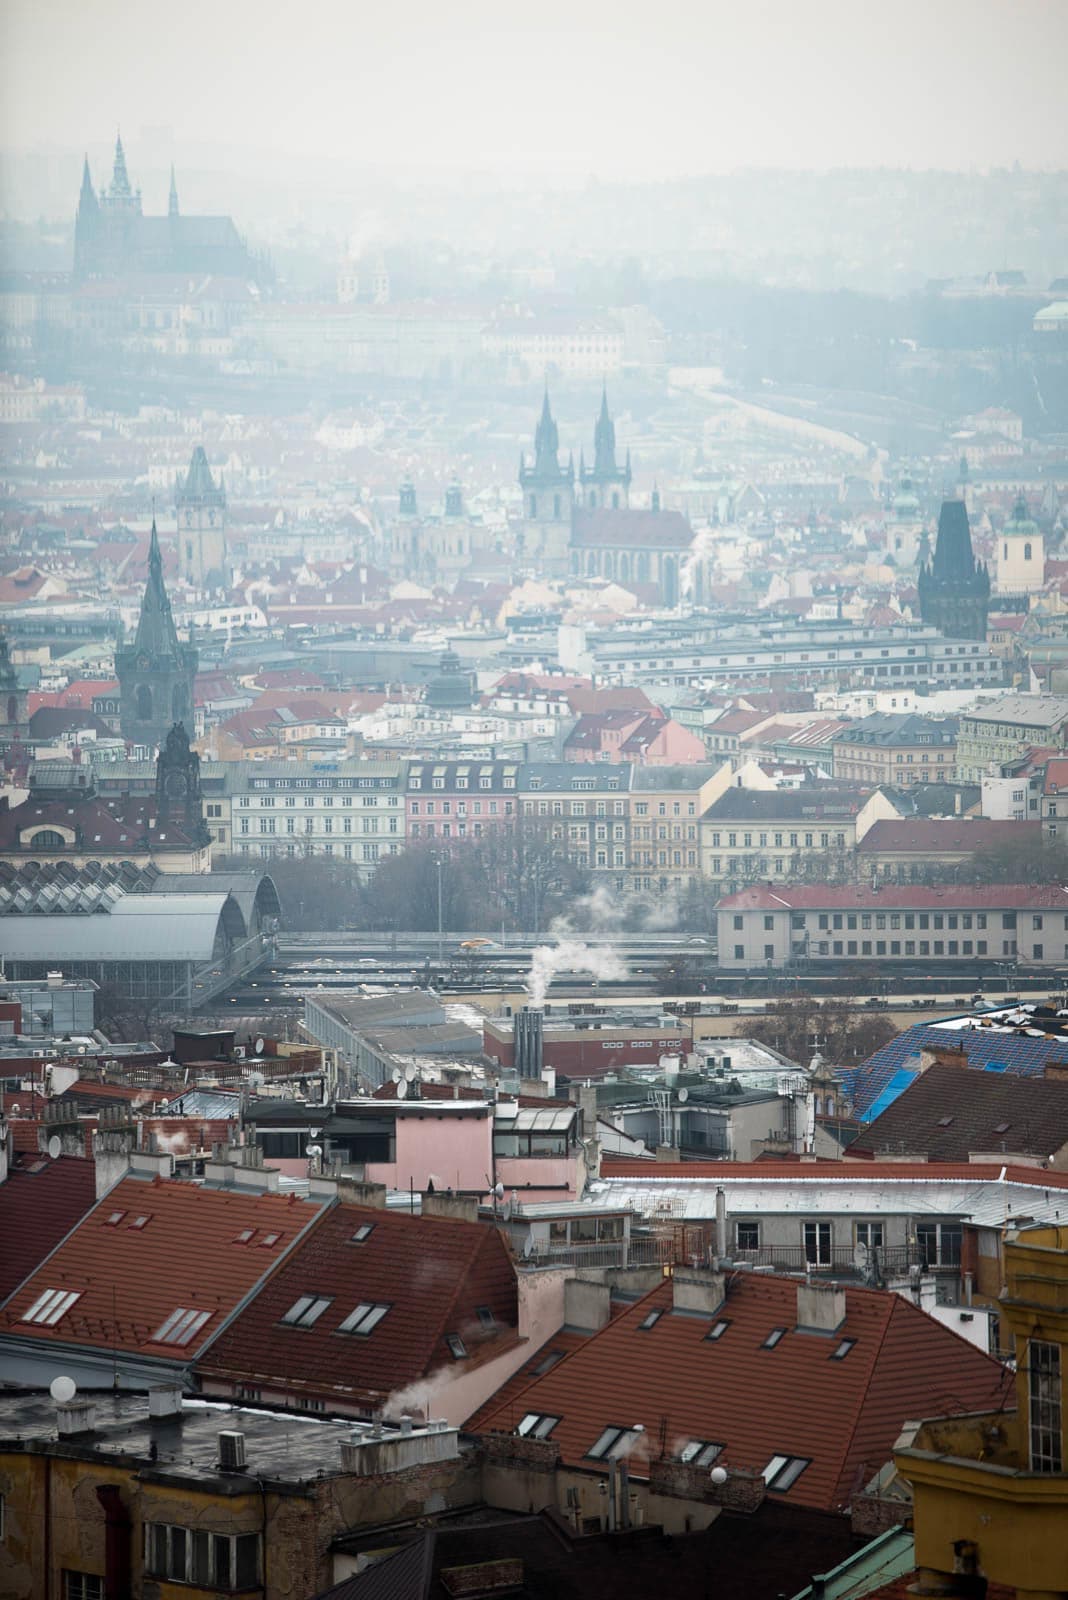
[614, 89]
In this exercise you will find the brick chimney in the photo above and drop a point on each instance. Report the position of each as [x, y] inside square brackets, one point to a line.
[821, 1307]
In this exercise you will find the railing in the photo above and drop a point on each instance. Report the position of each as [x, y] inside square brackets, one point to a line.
[892, 1259]
[642, 1252]
[207, 981]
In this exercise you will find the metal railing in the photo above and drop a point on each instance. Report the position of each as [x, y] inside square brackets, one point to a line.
[892, 1259]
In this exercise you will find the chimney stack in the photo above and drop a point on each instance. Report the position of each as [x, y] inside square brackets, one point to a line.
[699, 1290]
[821, 1307]
[528, 1041]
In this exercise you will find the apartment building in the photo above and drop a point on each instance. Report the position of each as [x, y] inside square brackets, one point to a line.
[666, 804]
[459, 799]
[1055, 799]
[902, 749]
[818, 654]
[999, 731]
[354, 810]
[584, 808]
[781, 927]
[778, 835]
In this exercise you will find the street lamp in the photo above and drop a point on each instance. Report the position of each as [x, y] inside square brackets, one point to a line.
[439, 863]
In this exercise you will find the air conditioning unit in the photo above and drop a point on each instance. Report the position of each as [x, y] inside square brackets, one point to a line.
[239, 1052]
[232, 1452]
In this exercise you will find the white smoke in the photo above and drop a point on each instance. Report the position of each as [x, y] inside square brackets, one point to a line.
[571, 955]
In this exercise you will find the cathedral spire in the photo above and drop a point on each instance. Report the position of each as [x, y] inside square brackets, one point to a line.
[87, 198]
[172, 199]
[120, 180]
[156, 633]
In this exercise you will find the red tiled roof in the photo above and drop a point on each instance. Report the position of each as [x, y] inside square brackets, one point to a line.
[932, 834]
[842, 1416]
[129, 1280]
[894, 896]
[24, 1133]
[562, 1343]
[833, 1171]
[432, 1272]
[40, 1203]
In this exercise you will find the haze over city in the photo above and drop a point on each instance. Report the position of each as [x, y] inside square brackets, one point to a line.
[533, 801]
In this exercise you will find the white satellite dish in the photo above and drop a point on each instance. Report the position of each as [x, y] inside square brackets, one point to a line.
[396, 1075]
[258, 1047]
[402, 1088]
[62, 1389]
[55, 1149]
[410, 1071]
[683, 1096]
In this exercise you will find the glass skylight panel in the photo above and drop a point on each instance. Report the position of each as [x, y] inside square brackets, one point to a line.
[700, 1453]
[718, 1329]
[773, 1338]
[180, 1326]
[364, 1231]
[843, 1349]
[50, 1306]
[613, 1443]
[650, 1320]
[457, 1348]
[782, 1472]
[536, 1425]
[114, 1219]
[486, 1318]
[307, 1310]
[364, 1319]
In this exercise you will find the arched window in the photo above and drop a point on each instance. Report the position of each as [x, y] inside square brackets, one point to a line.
[669, 581]
[1027, 552]
[144, 703]
[641, 567]
[48, 839]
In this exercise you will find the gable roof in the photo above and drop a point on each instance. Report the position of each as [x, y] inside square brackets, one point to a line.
[934, 834]
[130, 1279]
[947, 1116]
[432, 1272]
[842, 1416]
[40, 1203]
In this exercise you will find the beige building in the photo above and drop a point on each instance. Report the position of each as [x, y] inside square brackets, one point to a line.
[902, 749]
[998, 731]
[1021, 558]
[778, 835]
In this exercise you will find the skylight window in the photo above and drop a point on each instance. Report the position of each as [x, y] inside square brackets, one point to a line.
[700, 1453]
[307, 1310]
[141, 1222]
[457, 1348]
[1003, 1127]
[843, 1349]
[650, 1319]
[50, 1306]
[548, 1361]
[718, 1329]
[486, 1318]
[613, 1443]
[945, 1122]
[364, 1231]
[246, 1236]
[114, 1219]
[364, 1319]
[268, 1240]
[180, 1326]
[773, 1338]
[536, 1425]
[782, 1472]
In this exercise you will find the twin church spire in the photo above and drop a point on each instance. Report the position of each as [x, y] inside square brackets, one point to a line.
[604, 484]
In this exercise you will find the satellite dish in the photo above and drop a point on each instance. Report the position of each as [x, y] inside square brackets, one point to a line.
[258, 1047]
[62, 1389]
[313, 1133]
[410, 1071]
[684, 1095]
[498, 1191]
[396, 1075]
[55, 1150]
[402, 1088]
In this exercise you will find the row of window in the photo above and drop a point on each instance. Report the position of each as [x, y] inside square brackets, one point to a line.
[265, 802]
[616, 1441]
[827, 841]
[316, 825]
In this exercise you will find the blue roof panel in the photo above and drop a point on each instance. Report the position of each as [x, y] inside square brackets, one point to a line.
[871, 1086]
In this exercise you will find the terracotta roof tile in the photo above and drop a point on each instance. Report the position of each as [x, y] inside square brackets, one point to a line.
[842, 1416]
[433, 1273]
[40, 1203]
[129, 1279]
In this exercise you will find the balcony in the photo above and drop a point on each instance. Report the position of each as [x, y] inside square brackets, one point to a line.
[841, 1261]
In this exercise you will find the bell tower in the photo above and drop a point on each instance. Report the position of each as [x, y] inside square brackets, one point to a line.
[178, 794]
[156, 672]
[548, 488]
[200, 504]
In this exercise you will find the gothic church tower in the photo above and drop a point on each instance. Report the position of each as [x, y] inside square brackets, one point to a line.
[200, 503]
[156, 672]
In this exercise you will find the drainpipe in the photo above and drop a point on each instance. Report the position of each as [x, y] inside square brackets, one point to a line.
[116, 1543]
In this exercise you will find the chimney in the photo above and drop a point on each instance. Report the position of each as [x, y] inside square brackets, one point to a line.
[721, 1224]
[699, 1290]
[821, 1307]
[457, 1207]
[113, 1144]
[371, 1454]
[165, 1401]
[528, 1042]
[587, 1305]
[587, 1103]
[75, 1416]
[354, 1192]
[61, 1122]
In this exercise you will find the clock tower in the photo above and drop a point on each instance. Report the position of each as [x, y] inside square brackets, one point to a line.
[156, 672]
[178, 797]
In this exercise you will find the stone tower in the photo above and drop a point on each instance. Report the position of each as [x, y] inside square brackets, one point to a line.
[954, 587]
[178, 794]
[155, 672]
[13, 699]
[200, 504]
[605, 483]
[548, 488]
[1021, 556]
